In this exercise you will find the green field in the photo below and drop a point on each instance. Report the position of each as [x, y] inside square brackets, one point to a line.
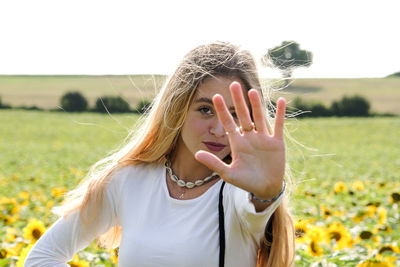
[43, 153]
[45, 91]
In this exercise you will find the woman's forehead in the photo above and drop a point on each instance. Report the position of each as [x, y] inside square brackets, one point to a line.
[218, 85]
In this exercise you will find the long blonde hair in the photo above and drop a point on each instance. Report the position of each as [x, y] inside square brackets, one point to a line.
[157, 136]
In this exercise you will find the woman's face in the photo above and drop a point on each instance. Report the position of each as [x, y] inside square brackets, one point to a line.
[202, 130]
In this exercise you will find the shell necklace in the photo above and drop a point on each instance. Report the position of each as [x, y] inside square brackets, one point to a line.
[187, 185]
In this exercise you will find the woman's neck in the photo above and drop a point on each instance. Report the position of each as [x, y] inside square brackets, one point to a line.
[188, 168]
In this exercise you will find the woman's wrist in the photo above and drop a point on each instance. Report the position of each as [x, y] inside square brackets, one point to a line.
[252, 197]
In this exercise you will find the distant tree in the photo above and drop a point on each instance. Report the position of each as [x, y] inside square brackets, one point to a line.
[73, 102]
[393, 75]
[287, 57]
[2, 105]
[304, 108]
[143, 106]
[356, 105]
[112, 104]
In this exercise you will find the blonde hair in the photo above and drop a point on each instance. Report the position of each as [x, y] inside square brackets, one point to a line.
[157, 137]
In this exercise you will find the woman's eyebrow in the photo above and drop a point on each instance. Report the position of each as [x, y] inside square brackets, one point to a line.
[209, 101]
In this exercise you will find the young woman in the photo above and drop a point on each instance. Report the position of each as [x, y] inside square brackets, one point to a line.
[200, 183]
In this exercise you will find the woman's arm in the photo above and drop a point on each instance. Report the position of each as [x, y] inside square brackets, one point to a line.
[251, 220]
[69, 235]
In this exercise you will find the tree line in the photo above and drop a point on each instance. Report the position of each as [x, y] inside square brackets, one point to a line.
[351, 106]
[76, 102]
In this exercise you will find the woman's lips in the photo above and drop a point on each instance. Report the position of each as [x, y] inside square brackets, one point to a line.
[214, 146]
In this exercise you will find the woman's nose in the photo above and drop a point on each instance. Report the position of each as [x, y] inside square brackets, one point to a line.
[217, 129]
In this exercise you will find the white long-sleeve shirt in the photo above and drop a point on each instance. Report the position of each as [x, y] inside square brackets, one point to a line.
[158, 230]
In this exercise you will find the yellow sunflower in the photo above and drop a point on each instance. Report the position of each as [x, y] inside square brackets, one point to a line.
[34, 230]
[365, 235]
[371, 211]
[15, 250]
[340, 187]
[326, 212]
[374, 263]
[301, 229]
[114, 255]
[22, 256]
[11, 234]
[3, 253]
[314, 249]
[382, 215]
[317, 233]
[24, 198]
[339, 234]
[389, 248]
[58, 191]
[394, 198]
[76, 262]
[358, 186]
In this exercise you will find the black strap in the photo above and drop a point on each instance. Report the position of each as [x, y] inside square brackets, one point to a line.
[221, 228]
[268, 234]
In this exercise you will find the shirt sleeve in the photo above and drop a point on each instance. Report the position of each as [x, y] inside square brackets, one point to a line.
[67, 236]
[252, 222]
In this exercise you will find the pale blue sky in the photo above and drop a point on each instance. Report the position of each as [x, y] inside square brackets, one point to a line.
[348, 38]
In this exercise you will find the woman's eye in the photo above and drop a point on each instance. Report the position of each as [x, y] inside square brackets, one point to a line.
[205, 110]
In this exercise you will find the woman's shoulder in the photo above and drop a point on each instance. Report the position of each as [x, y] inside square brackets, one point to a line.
[136, 172]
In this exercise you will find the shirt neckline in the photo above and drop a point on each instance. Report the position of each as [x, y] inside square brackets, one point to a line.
[184, 201]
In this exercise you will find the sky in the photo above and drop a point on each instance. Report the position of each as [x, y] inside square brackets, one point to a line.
[348, 39]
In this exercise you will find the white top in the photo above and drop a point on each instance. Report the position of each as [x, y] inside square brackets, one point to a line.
[158, 230]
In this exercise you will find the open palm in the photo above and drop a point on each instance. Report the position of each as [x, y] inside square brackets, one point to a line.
[258, 156]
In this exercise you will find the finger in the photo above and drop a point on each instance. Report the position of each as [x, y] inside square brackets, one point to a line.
[224, 115]
[258, 111]
[280, 118]
[212, 162]
[241, 108]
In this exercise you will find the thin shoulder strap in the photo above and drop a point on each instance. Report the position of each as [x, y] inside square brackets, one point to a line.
[221, 228]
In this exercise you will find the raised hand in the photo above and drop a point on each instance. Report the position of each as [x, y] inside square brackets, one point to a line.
[258, 156]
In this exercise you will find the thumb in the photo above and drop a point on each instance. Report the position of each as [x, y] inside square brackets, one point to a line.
[212, 162]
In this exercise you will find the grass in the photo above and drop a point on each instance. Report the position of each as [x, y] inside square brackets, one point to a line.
[46, 152]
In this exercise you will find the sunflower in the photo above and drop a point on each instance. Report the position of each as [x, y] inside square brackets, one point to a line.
[371, 211]
[14, 251]
[22, 256]
[58, 191]
[23, 198]
[364, 235]
[10, 219]
[114, 255]
[394, 198]
[339, 234]
[301, 229]
[11, 234]
[374, 263]
[382, 215]
[388, 248]
[314, 249]
[358, 186]
[325, 211]
[76, 262]
[384, 228]
[3, 253]
[34, 230]
[340, 187]
[9, 205]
